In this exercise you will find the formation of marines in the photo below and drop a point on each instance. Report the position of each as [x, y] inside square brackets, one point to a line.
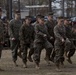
[56, 37]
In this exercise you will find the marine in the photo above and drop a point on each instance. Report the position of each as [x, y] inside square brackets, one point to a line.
[51, 23]
[61, 43]
[41, 41]
[15, 25]
[26, 35]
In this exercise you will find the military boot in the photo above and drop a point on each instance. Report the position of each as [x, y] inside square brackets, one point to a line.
[24, 65]
[16, 65]
[30, 59]
[37, 65]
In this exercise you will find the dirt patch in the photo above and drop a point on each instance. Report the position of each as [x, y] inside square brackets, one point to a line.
[9, 69]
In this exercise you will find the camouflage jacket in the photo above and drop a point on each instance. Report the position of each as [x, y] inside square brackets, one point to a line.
[50, 26]
[26, 34]
[14, 28]
[40, 31]
[60, 32]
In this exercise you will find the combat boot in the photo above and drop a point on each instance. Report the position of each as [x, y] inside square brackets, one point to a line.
[37, 65]
[15, 64]
[58, 67]
[25, 65]
[69, 60]
[30, 59]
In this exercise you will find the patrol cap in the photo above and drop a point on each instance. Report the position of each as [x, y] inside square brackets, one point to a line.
[0, 9]
[17, 11]
[38, 15]
[50, 13]
[28, 17]
[41, 16]
[60, 17]
[66, 18]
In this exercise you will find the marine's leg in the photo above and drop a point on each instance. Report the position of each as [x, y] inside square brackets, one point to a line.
[37, 53]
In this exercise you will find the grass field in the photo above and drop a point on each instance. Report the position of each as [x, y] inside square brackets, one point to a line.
[9, 69]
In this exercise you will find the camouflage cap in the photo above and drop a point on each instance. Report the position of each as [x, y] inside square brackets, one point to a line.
[28, 17]
[66, 18]
[50, 13]
[17, 11]
[60, 17]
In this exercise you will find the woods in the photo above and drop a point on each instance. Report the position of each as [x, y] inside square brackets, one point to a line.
[65, 7]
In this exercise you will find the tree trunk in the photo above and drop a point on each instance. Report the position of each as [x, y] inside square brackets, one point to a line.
[50, 5]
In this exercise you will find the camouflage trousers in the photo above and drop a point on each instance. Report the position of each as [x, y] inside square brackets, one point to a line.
[24, 49]
[14, 46]
[71, 52]
[38, 48]
[59, 50]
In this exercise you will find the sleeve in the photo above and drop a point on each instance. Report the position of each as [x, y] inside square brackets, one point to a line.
[21, 34]
[38, 32]
[57, 34]
[11, 30]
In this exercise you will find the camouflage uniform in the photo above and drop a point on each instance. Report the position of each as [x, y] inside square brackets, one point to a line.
[50, 25]
[26, 40]
[1, 36]
[60, 33]
[14, 33]
[41, 42]
[31, 52]
[69, 34]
